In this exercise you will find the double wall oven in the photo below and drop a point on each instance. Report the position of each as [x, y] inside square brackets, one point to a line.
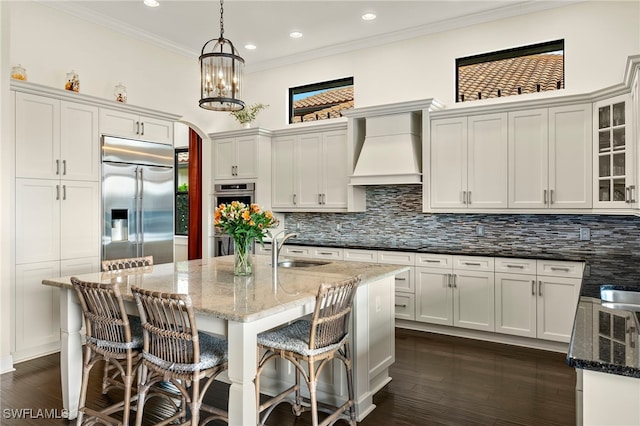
[224, 194]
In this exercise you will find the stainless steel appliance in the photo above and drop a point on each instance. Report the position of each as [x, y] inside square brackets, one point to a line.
[137, 199]
[225, 194]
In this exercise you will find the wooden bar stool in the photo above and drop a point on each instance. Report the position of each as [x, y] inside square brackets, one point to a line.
[176, 352]
[110, 337]
[313, 344]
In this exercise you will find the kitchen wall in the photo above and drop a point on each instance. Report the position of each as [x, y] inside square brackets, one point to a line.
[394, 219]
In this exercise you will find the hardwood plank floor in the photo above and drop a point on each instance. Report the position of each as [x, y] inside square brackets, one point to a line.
[437, 380]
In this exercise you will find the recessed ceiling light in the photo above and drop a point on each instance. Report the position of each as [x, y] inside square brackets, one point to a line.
[369, 16]
[295, 34]
[250, 46]
[151, 3]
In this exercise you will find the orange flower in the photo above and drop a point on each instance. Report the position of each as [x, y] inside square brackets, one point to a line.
[255, 208]
[246, 215]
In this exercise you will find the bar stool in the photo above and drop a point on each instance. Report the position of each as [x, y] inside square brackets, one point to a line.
[110, 337]
[313, 344]
[128, 263]
[176, 352]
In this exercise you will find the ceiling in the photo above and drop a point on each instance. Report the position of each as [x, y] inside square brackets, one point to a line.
[328, 27]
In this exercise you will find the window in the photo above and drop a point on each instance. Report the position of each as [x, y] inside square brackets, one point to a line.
[182, 191]
[320, 101]
[527, 69]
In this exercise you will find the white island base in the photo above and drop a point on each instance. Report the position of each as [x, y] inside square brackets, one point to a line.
[609, 399]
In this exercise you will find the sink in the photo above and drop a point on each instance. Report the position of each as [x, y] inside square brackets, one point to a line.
[300, 263]
[617, 297]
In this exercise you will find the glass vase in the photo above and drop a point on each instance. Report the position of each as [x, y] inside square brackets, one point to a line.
[242, 256]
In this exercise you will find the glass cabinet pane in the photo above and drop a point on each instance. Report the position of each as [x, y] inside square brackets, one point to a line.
[604, 141]
[604, 169]
[618, 190]
[605, 190]
[618, 114]
[619, 139]
[618, 164]
[604, 114]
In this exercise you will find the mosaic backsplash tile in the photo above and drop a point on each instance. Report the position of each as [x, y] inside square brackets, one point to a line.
[394, 220]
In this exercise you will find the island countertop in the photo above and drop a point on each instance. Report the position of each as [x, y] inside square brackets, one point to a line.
[215, 291]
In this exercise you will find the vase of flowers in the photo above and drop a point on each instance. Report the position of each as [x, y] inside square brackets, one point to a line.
[245, 224]
[249, 113]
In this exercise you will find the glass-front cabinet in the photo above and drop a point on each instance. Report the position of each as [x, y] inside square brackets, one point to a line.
[615, 168]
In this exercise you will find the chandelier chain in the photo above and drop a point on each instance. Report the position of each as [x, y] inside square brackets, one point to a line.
[221, 21]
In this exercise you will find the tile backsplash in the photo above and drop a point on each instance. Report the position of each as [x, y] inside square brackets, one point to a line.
[394, 219]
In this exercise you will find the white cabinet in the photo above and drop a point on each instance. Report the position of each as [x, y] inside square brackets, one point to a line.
[235, 158]
[310, 171]
[614, 161]
[404, 282]
[56, 220]
[135, 126]
[539, 299]
[64, 143]
[461, 295]
[469, 162]
[549, 158]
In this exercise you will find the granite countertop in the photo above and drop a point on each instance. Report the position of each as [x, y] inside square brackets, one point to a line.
[215, 291]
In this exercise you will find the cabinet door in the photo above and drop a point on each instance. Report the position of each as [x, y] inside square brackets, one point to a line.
[516, 304]
[247, 157]
[334, 170]
[79, 142]
[79, 219]
[37, 134]
[37, 220]
[434, 296]
[119, 123]
[156, 130]
[487, 161]
[224, 158]
[283, 172]
[448, 163]
[37, 309]
[308, 160]
[528, 159]
[613, 162]
[473, 300]
[557, 301]
[85, 265]
[570, 157]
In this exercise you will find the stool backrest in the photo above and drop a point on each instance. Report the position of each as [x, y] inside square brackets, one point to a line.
[128, 263]
[334, 303]
[169, 327]
[106, 320]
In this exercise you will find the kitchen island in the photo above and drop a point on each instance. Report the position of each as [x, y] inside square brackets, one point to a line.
[240, 308]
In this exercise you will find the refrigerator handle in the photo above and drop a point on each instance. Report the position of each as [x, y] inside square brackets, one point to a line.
[141, 210]
[136, 191]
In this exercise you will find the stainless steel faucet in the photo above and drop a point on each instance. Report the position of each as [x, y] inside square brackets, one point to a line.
[276, 247]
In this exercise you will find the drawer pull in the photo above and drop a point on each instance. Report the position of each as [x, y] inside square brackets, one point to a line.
[297, 251]
[400, 306]
[508, 265]
[401, 279]
[431, 261]
[325, 253]
[560, 268]
[472, 263]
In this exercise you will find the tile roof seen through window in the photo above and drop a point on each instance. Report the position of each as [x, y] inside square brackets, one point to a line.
[507, 75]
[321, 106]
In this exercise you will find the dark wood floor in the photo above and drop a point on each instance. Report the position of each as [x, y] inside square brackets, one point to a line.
[437, 380]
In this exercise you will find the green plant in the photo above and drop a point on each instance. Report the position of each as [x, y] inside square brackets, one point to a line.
[183, 188]
[248, 113]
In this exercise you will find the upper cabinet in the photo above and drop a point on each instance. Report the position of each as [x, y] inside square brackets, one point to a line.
[614, 162]
[469, 162]
[235, 158]
[135, 126]
[310, 169]
[64, 144]
[550, 158]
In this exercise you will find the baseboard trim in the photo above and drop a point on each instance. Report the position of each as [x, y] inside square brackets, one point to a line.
[6, 364]
[506, 339]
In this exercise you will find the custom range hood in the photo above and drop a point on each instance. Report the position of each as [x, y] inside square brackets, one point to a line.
[388, 143]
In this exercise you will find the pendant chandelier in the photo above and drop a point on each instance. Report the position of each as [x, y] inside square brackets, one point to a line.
[221, 74]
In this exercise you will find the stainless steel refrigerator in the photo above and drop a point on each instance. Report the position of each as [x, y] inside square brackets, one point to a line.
[137, 199]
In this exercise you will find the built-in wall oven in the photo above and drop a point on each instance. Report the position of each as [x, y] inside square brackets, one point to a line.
[225, 193]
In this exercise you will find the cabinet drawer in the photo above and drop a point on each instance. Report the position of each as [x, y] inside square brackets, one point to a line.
[405, 281]
[296, 251]
[397, 258]
[560, 268]
[515, 266]
[434, 260]
[266, 250]
[356, 255]
[405, 306]
[327, 253]
[473, 263]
